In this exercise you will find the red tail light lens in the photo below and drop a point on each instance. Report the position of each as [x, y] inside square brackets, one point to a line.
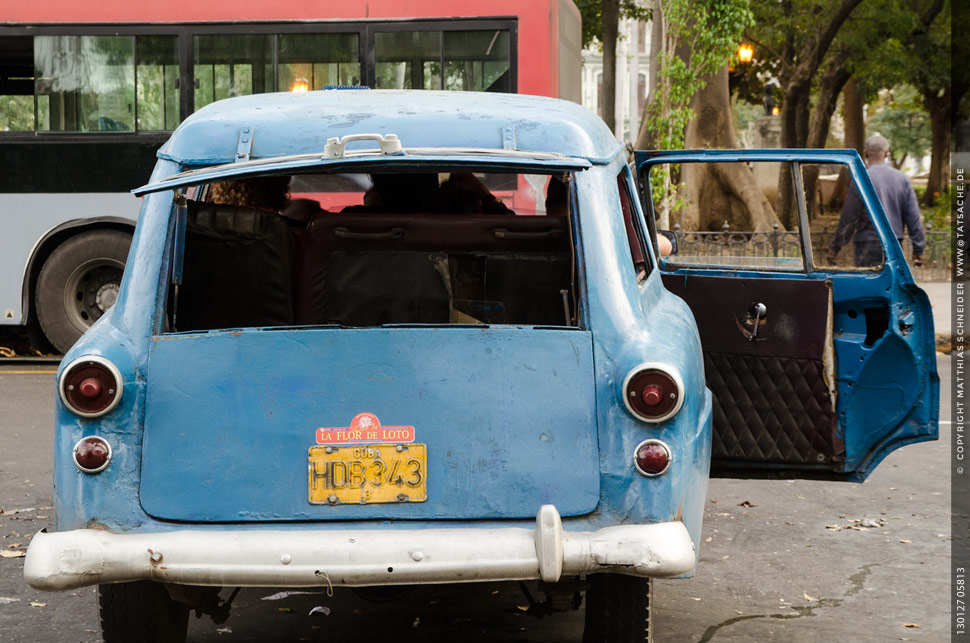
[653, 393]
[652, 458]
[90, 386]
[92, 454]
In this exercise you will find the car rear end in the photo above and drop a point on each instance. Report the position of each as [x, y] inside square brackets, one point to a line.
[379, 393]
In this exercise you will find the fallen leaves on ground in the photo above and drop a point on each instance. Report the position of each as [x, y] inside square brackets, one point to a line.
[6, 553]
[746, 503]
[859, 524]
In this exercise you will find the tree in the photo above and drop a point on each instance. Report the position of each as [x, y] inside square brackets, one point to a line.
[821, 45]
[611, 26]
[902, 119]
[601, 21]
[798, 34]
[721, 191]
[929, 58]
[689, 103]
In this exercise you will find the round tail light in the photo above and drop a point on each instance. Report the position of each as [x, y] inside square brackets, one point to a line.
[653, 392]
[92, 454]
[90, 386]
[652, 458]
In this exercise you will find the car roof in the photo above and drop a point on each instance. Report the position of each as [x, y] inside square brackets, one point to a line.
[286, 124]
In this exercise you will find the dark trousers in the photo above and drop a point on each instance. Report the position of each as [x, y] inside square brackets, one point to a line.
[868, 254]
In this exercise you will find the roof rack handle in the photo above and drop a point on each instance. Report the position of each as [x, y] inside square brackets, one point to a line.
[389, 143]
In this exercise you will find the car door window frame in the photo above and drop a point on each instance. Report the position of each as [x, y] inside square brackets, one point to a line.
[804, 227]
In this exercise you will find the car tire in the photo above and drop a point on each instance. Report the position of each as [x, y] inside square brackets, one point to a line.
[618, 609]
[78, 282]
[140, 611]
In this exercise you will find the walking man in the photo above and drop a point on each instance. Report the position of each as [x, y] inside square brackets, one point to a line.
[898, 200]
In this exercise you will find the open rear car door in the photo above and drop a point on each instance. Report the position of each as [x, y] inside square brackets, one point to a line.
[818, 346]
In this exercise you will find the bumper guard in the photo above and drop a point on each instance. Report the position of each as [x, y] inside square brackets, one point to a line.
[253, 558]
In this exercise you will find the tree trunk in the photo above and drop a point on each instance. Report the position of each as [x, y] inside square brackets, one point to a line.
[853, 114]
[795, 111]
[720, 192]
[939, 108]
[645, 140]
[611, 26]
[854, 138]
[830, 86]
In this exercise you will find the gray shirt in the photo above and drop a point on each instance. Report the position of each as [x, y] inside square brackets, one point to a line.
[898, 199]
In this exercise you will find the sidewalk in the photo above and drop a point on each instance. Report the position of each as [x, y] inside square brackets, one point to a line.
[941, 296]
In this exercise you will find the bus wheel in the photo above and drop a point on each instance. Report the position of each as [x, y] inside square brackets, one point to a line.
[141, 611]
[618, 609]
[78, 283]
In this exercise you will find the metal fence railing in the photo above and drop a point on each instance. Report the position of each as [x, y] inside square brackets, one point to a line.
[779, 247]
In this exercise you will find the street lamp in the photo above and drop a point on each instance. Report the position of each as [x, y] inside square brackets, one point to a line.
[745, 53]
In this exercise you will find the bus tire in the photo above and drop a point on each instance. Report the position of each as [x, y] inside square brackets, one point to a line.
[618, 609]
[78, 282]
[140, 611]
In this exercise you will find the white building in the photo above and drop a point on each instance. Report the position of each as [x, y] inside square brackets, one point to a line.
[632, 78]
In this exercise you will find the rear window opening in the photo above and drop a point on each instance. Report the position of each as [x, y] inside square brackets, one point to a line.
[364, 250]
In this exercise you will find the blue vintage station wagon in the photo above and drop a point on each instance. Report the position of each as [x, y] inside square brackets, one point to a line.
[386, 338]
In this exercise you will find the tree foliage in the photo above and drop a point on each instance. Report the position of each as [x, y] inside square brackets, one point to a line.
[16, 113]
[592, 14]
[900, 117]
[699, 38]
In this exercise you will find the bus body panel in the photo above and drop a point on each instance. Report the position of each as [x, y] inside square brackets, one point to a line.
[28, 220]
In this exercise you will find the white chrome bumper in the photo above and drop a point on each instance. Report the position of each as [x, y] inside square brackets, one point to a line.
[70, 559]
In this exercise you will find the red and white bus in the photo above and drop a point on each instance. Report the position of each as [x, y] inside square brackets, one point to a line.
[89, 91]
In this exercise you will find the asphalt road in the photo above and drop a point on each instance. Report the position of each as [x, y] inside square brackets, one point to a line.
[781, 561]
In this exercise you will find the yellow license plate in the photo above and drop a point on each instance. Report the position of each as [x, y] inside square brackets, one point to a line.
[362, 475]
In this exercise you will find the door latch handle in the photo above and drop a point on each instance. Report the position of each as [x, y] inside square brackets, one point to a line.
[906, 321]
[759, 310]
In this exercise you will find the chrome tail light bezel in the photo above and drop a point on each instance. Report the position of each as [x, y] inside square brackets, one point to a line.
[107, 460]
[84, 361]
[666, 447]
[665, 369]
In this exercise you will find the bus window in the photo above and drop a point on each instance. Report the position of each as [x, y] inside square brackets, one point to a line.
[88, 83]
[232, 65]
[85, 83]
[408, 59]
[317, 60]
[156, 82]
[477, 60]
[473, 60]
[17, 84]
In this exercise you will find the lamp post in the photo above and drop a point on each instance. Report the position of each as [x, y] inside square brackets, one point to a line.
[744, 54]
